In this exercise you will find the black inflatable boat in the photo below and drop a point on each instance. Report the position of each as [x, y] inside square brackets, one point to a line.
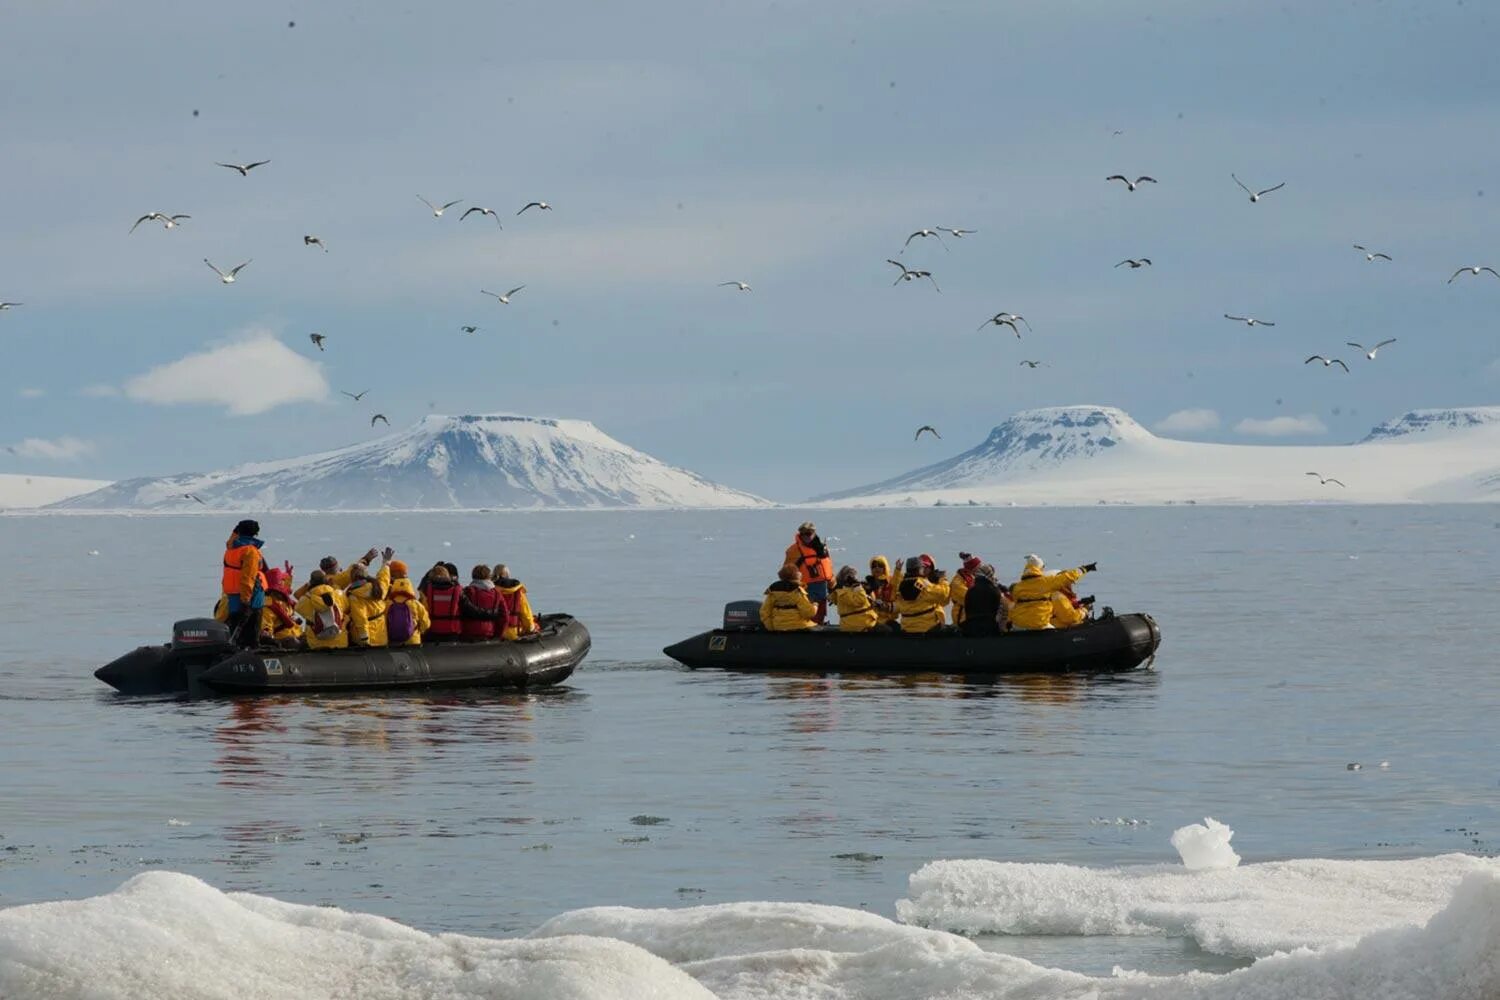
[1108, 643]
[201, 661]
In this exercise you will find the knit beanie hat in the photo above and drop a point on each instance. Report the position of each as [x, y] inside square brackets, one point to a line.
[398, 569]
[971, 562]
[247, 527]
[913, 565]
[1035, 561]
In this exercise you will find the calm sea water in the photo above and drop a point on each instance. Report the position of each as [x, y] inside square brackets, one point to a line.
[1296, 641]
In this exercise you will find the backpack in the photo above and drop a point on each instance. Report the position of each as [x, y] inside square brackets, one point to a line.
[399, 623]
[328, 623]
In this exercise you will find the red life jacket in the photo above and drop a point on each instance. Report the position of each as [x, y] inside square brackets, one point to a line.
[444, 606]
[485, 599]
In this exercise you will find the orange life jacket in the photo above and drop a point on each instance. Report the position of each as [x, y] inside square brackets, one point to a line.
[233, 556]
[814, 568]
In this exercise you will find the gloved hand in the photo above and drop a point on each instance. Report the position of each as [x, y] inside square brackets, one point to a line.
[370, 555]
[1092, 567]
[387, 553]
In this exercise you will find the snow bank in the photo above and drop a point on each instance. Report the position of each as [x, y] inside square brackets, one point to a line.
[23, 492]
[761, 951]
[167, 935]
[1251, 910]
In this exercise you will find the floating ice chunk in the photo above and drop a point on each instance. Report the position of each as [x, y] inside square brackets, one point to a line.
[174, 821]
[168, 935]
[447, 545]
[1205, 845]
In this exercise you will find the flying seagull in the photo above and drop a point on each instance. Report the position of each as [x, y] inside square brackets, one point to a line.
[1249, 320]
[314, 241]
[1255, 195]
[924, 233]
[1135, 262]
[193, 496]
[1372, 255]
[1370, 353]
[957, 234]
[1474, 270]
[438, 210]
[1131, 184]
[929, 429]
[536, 204]
[907, 274]
[1322, 481]
[1004, 319]
[167, 221]
[504, 299]
[737, 284]
[381, 418]
[228, 278]
[469, 329]
[482, 211]
[356, 396]
[1326, 361]
[9, 305]
[244, 170]
[1033, 364]
[317, 339]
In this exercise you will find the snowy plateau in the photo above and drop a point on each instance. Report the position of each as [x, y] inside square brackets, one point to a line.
[441, 463]
[1075, 455]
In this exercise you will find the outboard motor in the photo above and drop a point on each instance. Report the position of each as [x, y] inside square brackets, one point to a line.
[196, 633]
[742, 616]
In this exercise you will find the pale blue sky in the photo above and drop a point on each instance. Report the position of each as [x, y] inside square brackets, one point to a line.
[790, 145]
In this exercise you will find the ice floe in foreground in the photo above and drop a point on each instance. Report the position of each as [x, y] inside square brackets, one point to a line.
[1250, 910]
[163, 934]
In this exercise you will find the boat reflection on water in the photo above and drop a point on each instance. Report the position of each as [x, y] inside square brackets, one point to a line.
[1055, 689]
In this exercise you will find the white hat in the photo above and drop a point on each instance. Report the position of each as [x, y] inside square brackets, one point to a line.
[1035, 560]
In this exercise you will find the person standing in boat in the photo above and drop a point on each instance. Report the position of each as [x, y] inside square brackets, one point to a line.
[808, 553]
[1033, 592]
[920, 597]
[244, 583]
[857, 609]
[786, 607]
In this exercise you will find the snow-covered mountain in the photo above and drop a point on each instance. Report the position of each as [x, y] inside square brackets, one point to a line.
[462, 462]
[18, 492]
[1093, 454]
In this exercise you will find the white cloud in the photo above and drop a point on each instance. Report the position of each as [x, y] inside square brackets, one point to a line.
[1307, 423]
[1188, 421]
[64, 449]
[99, 391]
[247, 376]
[31, 392]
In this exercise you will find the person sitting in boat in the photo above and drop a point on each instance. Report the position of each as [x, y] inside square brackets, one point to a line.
[920, 597]
[1068, 609]
[406, 618]
[786, 607]
[519, 619]
[443, 599]
[858, 611]
[244, 583]
[480, 606]
[325, 609]
[1033, 592]
[278, 619]
[367, 602]
[984, 604]
[962, 581]
[879, 586]
[336, 576]
[808, 553]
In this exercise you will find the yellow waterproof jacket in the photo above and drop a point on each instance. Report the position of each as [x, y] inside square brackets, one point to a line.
[279, 626]
[786, 608]
[856, 609]
[315, 600]
[957, 591]
[885, 587]
[1033, 596]
[402, 592]
[1064, 614]
[525, 619]
[920, 603]
[367, 609]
